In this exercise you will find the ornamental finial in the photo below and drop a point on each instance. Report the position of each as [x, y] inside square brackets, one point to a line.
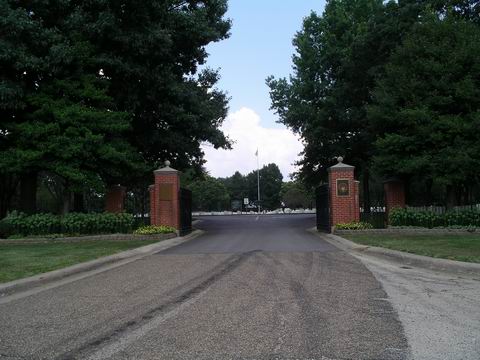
[166, 163]
[340, 159]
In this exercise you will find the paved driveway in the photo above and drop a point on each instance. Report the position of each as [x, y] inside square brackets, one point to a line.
[251, 287]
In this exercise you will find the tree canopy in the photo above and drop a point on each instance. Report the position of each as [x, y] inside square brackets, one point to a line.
[426, 107]
[102, 92]
[361, 65]
[209, 194]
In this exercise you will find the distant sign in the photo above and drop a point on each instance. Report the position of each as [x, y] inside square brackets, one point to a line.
[245, 201]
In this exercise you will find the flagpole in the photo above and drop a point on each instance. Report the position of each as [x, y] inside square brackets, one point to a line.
[258, 183]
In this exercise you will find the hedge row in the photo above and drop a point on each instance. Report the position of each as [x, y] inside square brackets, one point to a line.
[74, 223]
[429, 219]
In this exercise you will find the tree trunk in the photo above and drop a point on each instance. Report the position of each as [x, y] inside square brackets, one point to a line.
[28, 192]
[366, 191]
[78, 202]
[450, 197]
[408, 192]
[144, 196]
[428, 193]
[8, 184]
[67, 199]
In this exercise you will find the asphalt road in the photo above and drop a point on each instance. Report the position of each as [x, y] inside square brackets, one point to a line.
[250, 288]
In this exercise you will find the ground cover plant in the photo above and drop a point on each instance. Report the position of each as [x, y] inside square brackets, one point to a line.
[19, 260]
[154, 229]
[454, 247]
[354, 226]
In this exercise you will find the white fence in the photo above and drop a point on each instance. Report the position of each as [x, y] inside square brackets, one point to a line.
[443, 209]
[278, 211]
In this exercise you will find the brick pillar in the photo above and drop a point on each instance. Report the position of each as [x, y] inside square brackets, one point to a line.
[115, 199]
[165, 206]
[344, 196]
[394, 194]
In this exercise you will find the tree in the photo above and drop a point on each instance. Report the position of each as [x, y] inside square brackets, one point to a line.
[209, 194]
[150, 51]
[23, 47]
[427, 106]
[337, 58]
[100, 92]
[295, 195]
[236, 186]
[270, 186]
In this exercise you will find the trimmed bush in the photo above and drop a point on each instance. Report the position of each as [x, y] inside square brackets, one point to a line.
[73, 223]
[354, 226]
[429, 219]
[154, 229]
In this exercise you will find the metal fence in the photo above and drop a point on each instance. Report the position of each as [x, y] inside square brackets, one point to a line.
[378, 219]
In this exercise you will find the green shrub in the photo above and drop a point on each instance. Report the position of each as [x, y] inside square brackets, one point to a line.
[429, 219]
[73, 223]
[154, 229]
[354, 226]
[105, 223]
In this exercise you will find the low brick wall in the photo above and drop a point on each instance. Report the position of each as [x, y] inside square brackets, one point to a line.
[409, 231]
[109, 237]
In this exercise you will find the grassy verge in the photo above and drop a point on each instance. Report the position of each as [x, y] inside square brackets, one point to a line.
[23, 260]
[453, 247]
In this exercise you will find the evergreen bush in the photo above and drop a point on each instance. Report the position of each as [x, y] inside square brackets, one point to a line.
[429, 219]
[21, 224]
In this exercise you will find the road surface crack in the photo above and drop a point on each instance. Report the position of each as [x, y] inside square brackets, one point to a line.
[112, 342]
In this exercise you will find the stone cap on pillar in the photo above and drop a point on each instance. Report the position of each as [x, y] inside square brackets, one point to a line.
[340, 166]
[166, 169]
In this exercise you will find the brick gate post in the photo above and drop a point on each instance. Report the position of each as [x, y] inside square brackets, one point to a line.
[115, 199]
[394, 194]
[344, 196]
[164, 199]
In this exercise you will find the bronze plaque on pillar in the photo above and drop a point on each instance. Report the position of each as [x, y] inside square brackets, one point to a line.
[343, 187]
[165, 192]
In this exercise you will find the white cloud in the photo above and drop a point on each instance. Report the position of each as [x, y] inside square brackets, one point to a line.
[275, 145]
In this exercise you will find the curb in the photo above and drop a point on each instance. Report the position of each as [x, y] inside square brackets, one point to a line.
[404, 258]
[86, 238]
[124, 257]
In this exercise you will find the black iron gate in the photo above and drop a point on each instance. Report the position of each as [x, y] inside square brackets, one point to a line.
[185, 211]
[323, 208]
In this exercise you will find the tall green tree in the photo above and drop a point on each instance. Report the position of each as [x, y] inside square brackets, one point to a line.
[209, 194]
[151, 52]
[62, 121]
[236, 186]
[270, 186]
[427, 107]
[295, 195]
[338, 55]
[24, 44]
[102, 91]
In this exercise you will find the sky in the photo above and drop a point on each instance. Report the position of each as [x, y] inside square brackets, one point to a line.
[260, 45]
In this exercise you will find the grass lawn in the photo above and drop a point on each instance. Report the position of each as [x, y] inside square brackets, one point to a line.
[453, 247]
[23, 260]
